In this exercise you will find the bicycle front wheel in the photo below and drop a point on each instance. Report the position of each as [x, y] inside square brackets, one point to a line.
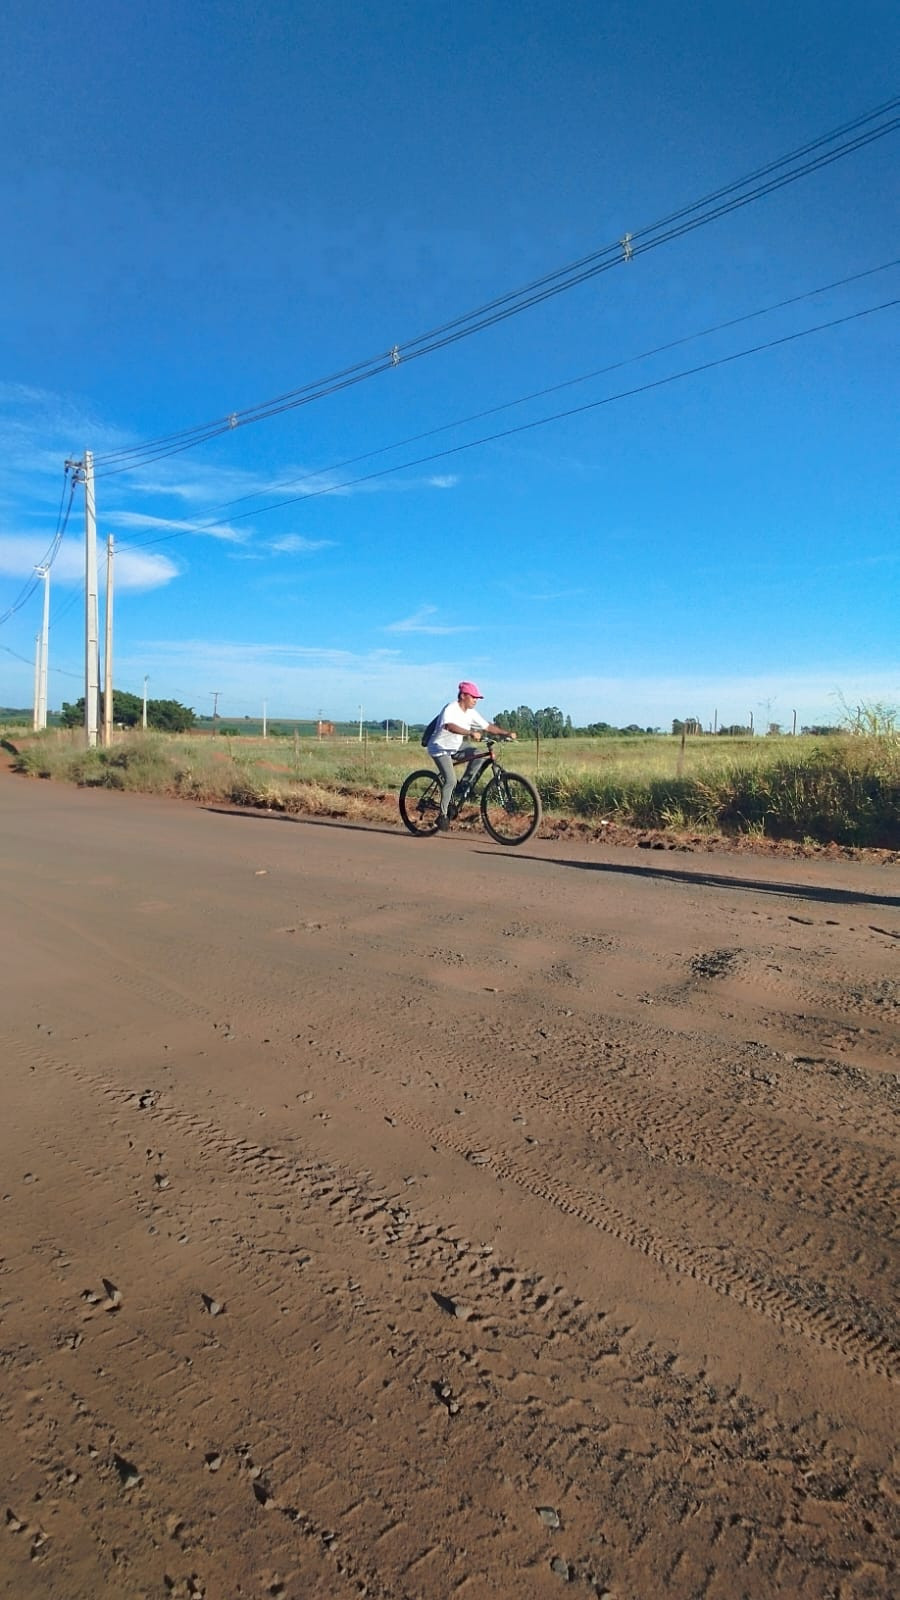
[420, 802]
[510, 808]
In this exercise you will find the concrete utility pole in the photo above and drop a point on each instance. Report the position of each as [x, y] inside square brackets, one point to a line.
[360, 725]
[144, 712]
[37, 682]
[265, 725]
[41, 722]
[91, 620]
[107, 648]
[85, 474]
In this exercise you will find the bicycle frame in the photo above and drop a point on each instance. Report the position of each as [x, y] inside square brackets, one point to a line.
[467, 788]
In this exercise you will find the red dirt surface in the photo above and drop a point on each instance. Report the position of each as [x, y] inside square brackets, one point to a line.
[418, 1218]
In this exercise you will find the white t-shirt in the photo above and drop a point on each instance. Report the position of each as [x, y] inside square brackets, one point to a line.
[445, 743]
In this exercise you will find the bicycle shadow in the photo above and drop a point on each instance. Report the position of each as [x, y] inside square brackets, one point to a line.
[300, 820]
[710, 880]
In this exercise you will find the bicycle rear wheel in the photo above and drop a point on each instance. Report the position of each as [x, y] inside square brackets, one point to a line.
[420, 802]
[510, 808]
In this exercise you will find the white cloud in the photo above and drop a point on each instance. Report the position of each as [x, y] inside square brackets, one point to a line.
[292, 543]
[419, 623]
[143, 520]
[135, 569]
[198, 484]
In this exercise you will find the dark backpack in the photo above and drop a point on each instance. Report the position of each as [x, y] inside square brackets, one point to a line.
[431, 730]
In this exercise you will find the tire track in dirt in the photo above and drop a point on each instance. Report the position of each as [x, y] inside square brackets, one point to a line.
[775, 1280]
[837, 1330]
[787, 1305]
[818, 1173]
[626, 1455]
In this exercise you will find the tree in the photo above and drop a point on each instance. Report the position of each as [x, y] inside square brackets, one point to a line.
[549, 722]
[520, 721]
[168, 716]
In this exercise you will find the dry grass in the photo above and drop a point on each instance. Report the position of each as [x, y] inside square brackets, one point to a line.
[844, 790]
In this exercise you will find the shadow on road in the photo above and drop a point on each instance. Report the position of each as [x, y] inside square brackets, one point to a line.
[386, 832]
[709, 880]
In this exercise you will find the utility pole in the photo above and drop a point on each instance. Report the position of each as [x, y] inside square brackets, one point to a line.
[44, 573]
[91, 624]
[144, 712]
[215, 700]
[107, 648]
[360, 725]
[265, 728]
[84, 471]
[37, 682]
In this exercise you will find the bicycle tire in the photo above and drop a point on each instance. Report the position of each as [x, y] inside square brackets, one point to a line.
[420, 802]
[510, 808]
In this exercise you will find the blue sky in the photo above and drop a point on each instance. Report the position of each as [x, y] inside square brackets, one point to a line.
[210, 206]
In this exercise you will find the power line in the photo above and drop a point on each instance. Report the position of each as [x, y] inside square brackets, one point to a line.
[61, 671]
[49, 557]
[540, 422]
[566, 383]
[697, 214]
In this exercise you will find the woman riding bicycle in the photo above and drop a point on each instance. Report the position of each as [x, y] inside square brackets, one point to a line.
[459, 719]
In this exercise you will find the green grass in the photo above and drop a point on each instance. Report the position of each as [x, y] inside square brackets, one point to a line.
[844, 790]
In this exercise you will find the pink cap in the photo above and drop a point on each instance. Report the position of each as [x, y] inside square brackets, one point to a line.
[470, 688]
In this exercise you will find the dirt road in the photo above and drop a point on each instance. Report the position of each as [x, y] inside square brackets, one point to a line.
[414, 1219]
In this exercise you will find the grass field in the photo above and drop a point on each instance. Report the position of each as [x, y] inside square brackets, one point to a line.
[844, 789]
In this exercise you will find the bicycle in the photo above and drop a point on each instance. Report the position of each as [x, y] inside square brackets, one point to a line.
[510, 804]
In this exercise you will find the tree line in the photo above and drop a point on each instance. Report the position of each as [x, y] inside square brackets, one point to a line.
[550, 723]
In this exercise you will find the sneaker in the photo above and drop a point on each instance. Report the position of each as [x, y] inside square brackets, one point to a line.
[443, 823]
